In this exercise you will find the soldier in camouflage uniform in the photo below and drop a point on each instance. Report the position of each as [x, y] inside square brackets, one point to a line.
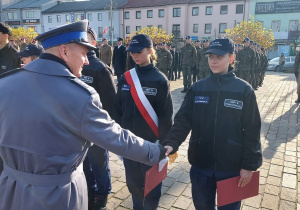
[297, 71]
[252, 46]
[202, 61]
[196, 67]
[264, 65]
[257, 66]
[164, 60]
[246, 61]
[188, 60]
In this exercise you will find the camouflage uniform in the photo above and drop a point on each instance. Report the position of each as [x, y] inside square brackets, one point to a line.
[164, 61]
[246, 62]
[196, 69]
[202, 64]
[188, 60]
[297, 71]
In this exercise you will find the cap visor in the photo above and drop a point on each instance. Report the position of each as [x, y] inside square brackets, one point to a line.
[88, 45]
[23, 54]
[135, 49]
[216, 52]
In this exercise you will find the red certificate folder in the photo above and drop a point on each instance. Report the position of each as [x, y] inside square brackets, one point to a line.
[229, 192]
[154, 177]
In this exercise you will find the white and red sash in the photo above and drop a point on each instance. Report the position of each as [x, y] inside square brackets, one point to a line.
[141, 100]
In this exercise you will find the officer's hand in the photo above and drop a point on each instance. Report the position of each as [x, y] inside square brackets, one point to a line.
[169, 150]
[163, 151]
[246, 177]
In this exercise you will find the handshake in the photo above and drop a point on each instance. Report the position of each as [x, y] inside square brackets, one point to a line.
[164, 150]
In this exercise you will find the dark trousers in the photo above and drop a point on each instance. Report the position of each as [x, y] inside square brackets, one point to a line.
[204, 189]
[135, 180]
[97, 171]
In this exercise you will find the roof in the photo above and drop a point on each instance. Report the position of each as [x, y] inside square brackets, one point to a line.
[153, 3]
[27, 4]
[82, 6]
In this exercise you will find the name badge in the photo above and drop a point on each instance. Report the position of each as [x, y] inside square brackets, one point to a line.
[150, 91]
[235, 104]
[125, 87]
[201, 100]
[87, 79]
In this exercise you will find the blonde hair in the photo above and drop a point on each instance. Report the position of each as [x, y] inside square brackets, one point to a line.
[153, 56]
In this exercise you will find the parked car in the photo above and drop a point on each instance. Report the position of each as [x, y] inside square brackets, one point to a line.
[274, 63]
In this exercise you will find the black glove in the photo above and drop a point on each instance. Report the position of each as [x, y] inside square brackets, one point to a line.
[163, 151]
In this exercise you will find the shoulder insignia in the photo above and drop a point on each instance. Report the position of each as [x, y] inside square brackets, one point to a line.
[10, 72]
[88, 88]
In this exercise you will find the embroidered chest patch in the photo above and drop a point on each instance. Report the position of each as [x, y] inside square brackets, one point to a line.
[201, 100]
[235, 104]
[125, 87]
[150, 91]
[87, 79]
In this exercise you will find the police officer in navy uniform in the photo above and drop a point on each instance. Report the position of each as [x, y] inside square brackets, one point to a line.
[8, 58]
[99, 76]
[49, 124]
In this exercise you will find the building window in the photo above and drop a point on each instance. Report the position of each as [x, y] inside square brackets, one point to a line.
[126, 15]
[149, 13]
[15, 15]
[293, 26]
[138, 28]
[32, 27]
[58, 18]
[207, 28]
[149, 26]
[110, 15]
[138, 14]
[176, 12]
[100, 31]
[78, 17]
[239, 9]
[195, 11]
[30, 14]
[222, 27]
[127, 29]
[208, 10]
[161, 13]
[224, 10]
[275, 25]
[195, 28]
[67, 18]
[159, 26]
[99, 16]
[176, 30]
[9, 16]
[49, 19]
[89, 16]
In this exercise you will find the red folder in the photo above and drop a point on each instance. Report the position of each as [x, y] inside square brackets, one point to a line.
[154, 177]
[229, 192]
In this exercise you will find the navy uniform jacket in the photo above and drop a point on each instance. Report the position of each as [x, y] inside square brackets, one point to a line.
[119, 59]
[99, 76]
[9, 59]
[222, 112]
[48, 119]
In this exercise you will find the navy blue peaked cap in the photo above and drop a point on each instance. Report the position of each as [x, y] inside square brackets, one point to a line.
[66, 34]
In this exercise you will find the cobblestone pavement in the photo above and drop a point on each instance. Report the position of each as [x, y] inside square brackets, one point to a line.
[279, 174]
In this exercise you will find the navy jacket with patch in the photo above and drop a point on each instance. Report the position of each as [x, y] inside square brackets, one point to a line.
[157, 90]
[222, 112]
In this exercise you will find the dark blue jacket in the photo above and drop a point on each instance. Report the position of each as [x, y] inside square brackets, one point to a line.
[222, 112]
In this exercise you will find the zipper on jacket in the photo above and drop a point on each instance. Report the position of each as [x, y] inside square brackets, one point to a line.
[216, 117]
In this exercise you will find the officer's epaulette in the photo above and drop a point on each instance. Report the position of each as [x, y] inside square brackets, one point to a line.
[82, 84]
[10, 72]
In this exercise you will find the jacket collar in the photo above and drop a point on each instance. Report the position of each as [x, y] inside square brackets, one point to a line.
[49, 67]
[222, 77]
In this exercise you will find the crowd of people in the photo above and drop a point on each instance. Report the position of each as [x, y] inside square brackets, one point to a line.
[64, 113]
